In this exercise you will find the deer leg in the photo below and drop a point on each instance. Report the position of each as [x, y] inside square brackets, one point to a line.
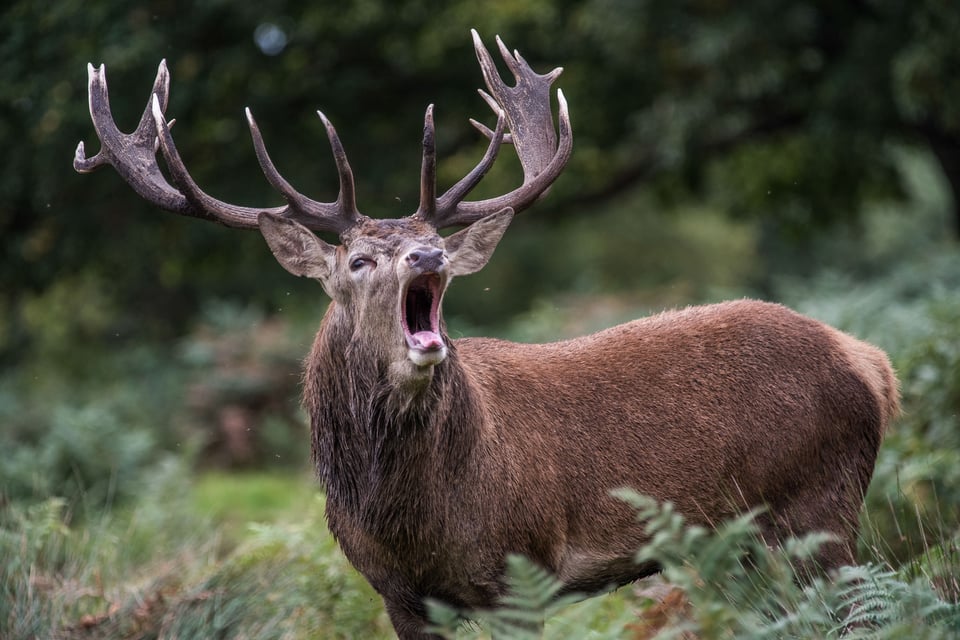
[818, 510]
[409, 619]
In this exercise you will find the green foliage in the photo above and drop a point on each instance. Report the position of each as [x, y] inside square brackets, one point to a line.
[85, 455]
[28, 537]
[253, 496]
[735, 587]
[755, 109]
[88, 427]
[879, 600]
[165, 568]
[242, 375]
[532, 596]
[285, 580]
[61, 574]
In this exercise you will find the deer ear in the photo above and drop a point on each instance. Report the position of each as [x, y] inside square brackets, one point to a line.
[297, 248]
[469, 249]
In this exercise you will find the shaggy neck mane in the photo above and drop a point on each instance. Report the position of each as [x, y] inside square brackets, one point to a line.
[376, 443]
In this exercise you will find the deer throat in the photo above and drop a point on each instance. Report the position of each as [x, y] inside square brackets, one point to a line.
[420, 320]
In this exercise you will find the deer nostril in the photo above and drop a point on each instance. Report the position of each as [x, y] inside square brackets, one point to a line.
[425, 258]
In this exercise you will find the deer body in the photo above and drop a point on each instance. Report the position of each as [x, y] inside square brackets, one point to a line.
[441, 457]
[514, 448]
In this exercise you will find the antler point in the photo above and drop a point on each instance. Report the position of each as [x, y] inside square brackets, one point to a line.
[96, 74]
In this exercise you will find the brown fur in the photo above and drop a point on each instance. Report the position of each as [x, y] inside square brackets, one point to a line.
[515, 447]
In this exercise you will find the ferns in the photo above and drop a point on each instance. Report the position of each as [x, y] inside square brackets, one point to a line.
[879, 600]
[287, 581]
[532, 597]
[735, 585]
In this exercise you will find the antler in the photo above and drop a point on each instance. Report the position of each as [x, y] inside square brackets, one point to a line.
[526, 108]
[134, 157]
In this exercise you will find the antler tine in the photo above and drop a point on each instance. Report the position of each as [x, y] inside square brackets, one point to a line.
[335, 216]
[436, 210]
[204, 205]
[347, 198]
[449, 201]
[487, 131]
[428, 170]
[134, 157]
[526, 108]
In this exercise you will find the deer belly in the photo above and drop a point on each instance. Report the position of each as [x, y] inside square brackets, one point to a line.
[588, 571]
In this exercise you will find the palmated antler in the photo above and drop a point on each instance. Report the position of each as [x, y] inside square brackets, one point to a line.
[134, 157]
[526, 109]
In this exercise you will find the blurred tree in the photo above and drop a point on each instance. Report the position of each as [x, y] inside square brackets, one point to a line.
[786, 111]
[782, 109]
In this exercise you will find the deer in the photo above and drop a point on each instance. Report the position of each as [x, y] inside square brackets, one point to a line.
[439, 457]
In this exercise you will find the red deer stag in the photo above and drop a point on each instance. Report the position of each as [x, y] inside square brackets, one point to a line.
[440, 457]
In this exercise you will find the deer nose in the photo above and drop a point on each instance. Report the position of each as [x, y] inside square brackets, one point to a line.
[426, 259]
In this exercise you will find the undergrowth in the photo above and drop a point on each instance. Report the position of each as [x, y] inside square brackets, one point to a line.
[167, 568]
[733, 586]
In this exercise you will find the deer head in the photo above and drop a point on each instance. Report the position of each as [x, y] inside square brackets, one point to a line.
[387, 276]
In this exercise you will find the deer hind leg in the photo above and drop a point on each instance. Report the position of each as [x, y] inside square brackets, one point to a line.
[817, 510]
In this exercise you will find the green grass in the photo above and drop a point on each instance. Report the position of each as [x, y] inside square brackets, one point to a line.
[247, 555]
[238, 555]
[234, 499]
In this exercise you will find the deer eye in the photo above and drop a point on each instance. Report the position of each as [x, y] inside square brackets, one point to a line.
[360, 262]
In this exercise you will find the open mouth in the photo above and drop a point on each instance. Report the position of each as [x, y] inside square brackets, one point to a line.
[420, 319]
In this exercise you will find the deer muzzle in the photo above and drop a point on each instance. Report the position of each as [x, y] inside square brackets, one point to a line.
[420, 309]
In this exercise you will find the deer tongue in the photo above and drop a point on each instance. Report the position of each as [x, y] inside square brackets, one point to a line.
[426, 340]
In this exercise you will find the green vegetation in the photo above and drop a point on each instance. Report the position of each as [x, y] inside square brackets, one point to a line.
[733, 586]
[155, 480]
[178, 565]
[792, 114]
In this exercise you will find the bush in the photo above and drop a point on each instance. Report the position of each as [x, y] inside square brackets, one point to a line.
[86, 455]
[242, 372]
